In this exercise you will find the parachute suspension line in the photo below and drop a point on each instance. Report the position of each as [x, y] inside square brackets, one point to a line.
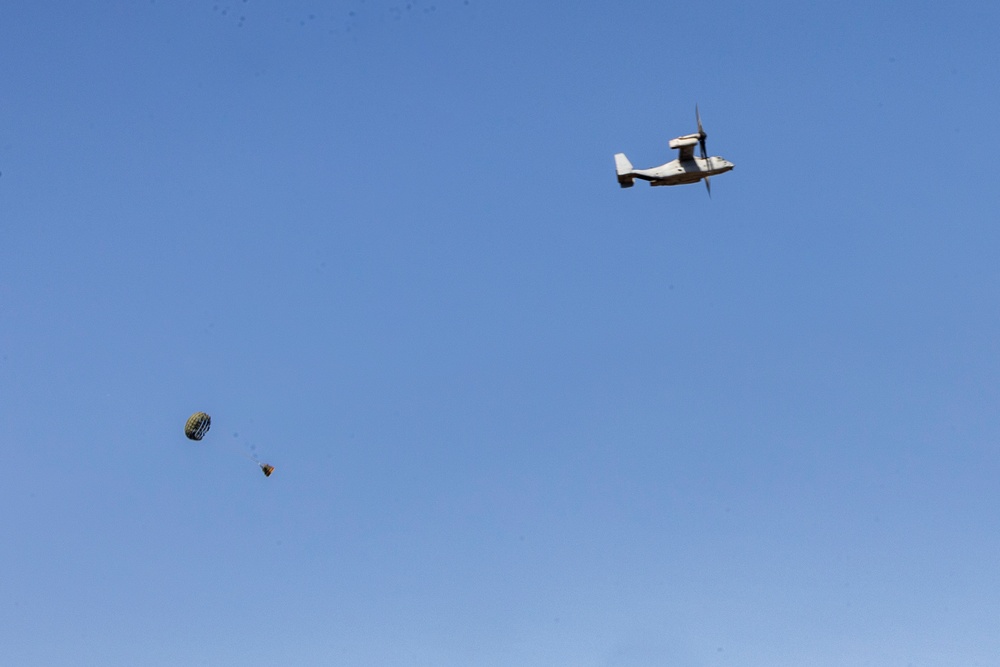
[266, 468]
[242, 452]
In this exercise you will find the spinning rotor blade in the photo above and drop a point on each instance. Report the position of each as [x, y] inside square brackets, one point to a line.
[701, 133]
[704, 152]
[708, 186]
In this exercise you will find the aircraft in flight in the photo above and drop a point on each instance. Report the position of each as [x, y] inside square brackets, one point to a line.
[685, 169]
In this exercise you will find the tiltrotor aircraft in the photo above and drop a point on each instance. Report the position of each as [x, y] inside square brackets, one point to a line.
[685, 169]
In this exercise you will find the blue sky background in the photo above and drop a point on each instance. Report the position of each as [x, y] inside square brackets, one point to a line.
[519, 416]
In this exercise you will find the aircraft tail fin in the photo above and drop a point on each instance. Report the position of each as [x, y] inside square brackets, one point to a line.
[624, 170]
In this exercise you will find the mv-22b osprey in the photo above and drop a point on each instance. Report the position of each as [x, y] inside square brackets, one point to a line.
[685, 169]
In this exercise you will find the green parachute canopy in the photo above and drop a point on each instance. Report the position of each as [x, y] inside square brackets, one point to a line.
[197, 426]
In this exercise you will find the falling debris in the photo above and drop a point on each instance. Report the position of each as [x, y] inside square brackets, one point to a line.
[197, 426]
[268, 469]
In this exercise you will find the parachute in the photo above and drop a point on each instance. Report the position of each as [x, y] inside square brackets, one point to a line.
[197, 426]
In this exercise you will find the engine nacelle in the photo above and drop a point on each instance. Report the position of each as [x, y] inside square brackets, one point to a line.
[686, 140]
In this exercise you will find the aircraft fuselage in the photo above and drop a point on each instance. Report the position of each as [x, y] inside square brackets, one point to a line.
[680, 172]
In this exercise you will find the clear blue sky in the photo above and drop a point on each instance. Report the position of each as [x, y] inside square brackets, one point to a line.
[519, 416]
